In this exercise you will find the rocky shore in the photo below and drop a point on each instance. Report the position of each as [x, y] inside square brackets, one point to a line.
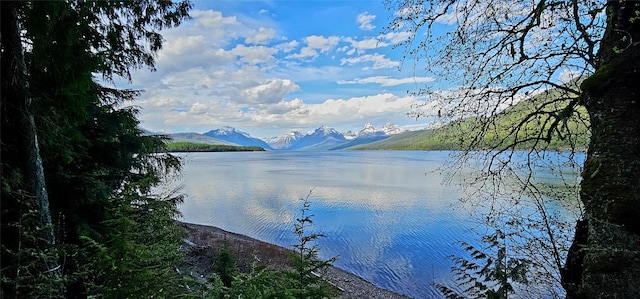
[202, 241]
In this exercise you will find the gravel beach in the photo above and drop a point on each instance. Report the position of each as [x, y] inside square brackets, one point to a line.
[201, 240]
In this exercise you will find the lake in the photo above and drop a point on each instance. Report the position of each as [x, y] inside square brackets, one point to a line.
[386, 214]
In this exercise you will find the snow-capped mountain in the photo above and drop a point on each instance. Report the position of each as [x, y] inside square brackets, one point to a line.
[393, 129]
[324, 138]
[321, 138]
[370, 133]
[284, 142]
[386, 130]
[350, 135]
[232, 135]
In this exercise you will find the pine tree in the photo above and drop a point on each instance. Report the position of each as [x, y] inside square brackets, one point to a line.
[308, 267]
[98, 167]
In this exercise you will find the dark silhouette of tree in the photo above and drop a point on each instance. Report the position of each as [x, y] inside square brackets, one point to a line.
[73, 155]
[581, 61]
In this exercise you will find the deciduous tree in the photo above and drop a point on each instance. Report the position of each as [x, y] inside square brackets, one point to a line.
[497, 53]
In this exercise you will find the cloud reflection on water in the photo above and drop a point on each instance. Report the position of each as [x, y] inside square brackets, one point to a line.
[386, 214]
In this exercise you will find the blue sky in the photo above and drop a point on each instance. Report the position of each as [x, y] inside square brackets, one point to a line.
[268, 67]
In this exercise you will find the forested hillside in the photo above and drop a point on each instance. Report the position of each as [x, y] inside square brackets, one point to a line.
[203, 147]
[516, 125]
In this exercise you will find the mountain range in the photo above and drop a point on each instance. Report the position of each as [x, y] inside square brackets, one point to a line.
[439, 136]
[322, 138]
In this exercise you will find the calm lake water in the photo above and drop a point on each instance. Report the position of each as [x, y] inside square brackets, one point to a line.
[386, 214]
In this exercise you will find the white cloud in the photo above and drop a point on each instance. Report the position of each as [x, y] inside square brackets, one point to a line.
[212, 19]
[284, 107]
[306, 52]
[364, 21]
[567, 76]
[336, 112]
[221, 70]
[271, 91]
[358, 108]
[343, 49]
[254, 54]
[379, 61]
[288, 46]
[198, 108]
[387, 81]
[207, 114]
[366, 44]
[262, 36]
[397, 37]
[324, 44]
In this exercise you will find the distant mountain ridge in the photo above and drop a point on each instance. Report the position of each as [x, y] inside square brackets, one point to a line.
[322, 138]
[197, 138]
[437, 136]
[325, 138]
[232, 135]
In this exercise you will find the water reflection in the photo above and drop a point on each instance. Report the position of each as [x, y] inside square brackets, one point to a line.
[386, 214]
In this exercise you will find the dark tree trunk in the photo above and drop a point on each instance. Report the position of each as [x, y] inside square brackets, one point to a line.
[21, 153]
[604, 261]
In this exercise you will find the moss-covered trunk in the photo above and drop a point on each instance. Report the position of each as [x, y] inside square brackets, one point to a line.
[604, 261]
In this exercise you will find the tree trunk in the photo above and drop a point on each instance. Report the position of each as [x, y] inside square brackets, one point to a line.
[18, 122]
[604, 261]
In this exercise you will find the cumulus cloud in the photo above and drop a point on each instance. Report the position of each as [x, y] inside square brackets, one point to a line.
[288, 46]
[262, 36]
[221, 70]
[284, 107]
[316, 44]
[204, 115]
[366, 44]
[324, 44]
[270, 91]
[364, 21]
[254, 54]
[336, 112]
[212, 19]
[198, 108]
[379, 61]
[387, 81]
[397, 37]
[305, 52]
[358, 108]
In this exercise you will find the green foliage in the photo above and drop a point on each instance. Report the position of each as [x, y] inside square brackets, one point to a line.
[225, 265]
[490, 273]
[138, 256]
[203, 147]
[29, 278]
[119, 239]
[304, 280]
[306, 264]
[262, 283]
[534, 123]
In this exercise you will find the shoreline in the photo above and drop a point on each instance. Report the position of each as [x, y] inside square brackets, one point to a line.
[249, 251]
